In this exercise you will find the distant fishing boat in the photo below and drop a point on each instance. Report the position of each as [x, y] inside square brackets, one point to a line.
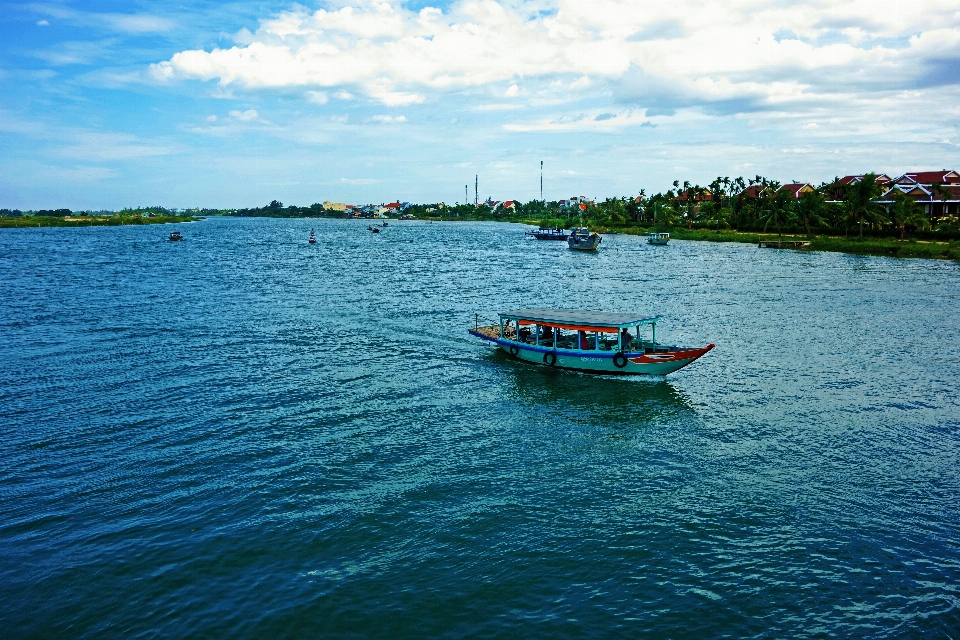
[175, 235]
[591, 341]
[375, 230]
[582, 240]
[548, 234]
[313, 238]
[658, 238]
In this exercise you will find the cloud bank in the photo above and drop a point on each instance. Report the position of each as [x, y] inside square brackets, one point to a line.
[735, 56]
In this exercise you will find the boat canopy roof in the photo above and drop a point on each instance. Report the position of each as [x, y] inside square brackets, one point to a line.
[586, 320]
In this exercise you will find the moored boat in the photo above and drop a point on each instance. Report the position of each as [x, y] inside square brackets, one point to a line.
[581, 239]
[658, 238]
[591, 341]
[175, 235]
[548, 234]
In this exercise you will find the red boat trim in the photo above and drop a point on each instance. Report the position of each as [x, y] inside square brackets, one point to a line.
[691, 354]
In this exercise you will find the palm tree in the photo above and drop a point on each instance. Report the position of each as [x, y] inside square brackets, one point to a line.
[776, 211]
[809, 210]
[860, 197]
[907, 212]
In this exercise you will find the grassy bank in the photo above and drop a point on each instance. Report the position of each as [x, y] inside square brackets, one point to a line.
[946, 250]
[88, 221]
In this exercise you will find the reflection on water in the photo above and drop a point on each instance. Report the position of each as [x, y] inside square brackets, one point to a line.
[598, 399]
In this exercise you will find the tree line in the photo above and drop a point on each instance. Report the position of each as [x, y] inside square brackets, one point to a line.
[757, 204]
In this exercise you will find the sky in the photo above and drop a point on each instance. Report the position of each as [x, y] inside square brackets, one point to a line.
[234, 104]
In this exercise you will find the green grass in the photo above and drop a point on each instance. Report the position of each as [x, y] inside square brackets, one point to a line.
[934, 250]
[92, 221]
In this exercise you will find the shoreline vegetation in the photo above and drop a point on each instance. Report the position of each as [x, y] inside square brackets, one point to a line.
[89, 221]
[852, 215]
[15, 219]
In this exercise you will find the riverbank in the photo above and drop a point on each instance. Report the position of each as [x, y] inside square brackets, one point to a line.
[930, 249]
[88, 221]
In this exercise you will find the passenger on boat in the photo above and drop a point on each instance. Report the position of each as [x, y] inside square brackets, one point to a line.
[625, 339]
[547, 336]
[525, 334]
[583, 342]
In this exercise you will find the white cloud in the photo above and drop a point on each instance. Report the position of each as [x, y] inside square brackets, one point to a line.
[389, 119]
[43, 23]
[126, 22]
[317, 97]
[740, 55]
[598, 122]
[244, 116]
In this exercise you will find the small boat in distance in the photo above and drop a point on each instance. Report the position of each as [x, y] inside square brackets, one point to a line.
[313, 238]
[582, 240]
[544, 233]
[658, 238]
[175, 235]
[590, 341]
[375, 230]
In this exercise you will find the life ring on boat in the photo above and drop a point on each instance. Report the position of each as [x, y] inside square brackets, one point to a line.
[619, 360]
[549, 358]
[513, 350]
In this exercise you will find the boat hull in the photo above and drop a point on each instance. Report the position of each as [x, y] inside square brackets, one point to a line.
[584, 244]
[601, 362]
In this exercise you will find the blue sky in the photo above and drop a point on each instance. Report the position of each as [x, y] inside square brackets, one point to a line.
[109, 104]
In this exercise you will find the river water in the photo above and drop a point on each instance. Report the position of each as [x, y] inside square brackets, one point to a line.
[244, 435]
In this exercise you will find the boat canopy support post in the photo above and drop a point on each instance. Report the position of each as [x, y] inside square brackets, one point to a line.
[501, 328]
[654, 325]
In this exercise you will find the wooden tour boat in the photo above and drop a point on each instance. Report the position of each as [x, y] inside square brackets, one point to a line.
[658, 238]
[582, 240]
[591, 341]
[548, 234]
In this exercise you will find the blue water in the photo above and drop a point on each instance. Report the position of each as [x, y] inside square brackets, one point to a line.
[244, 435]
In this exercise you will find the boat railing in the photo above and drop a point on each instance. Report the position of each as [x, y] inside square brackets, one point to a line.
[476, 322]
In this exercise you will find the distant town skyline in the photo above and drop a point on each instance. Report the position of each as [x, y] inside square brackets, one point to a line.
[108, 104]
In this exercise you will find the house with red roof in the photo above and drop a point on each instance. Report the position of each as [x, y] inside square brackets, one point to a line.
[937, 201]
[797, 189]
[882, 179]
[944, 176]
[703, 196]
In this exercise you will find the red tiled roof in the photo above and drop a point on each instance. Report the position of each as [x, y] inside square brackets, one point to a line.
[882, 178]
[795, 188]
[705, 196]
[945, 176]
[752, 191]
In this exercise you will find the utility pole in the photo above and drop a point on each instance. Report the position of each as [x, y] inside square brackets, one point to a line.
[541, 181]
[476, 190]
[466, 195]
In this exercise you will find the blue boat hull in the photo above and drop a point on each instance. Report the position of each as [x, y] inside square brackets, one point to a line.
[604, 362]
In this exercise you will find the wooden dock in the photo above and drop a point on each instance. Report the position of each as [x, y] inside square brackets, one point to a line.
[781, 244]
